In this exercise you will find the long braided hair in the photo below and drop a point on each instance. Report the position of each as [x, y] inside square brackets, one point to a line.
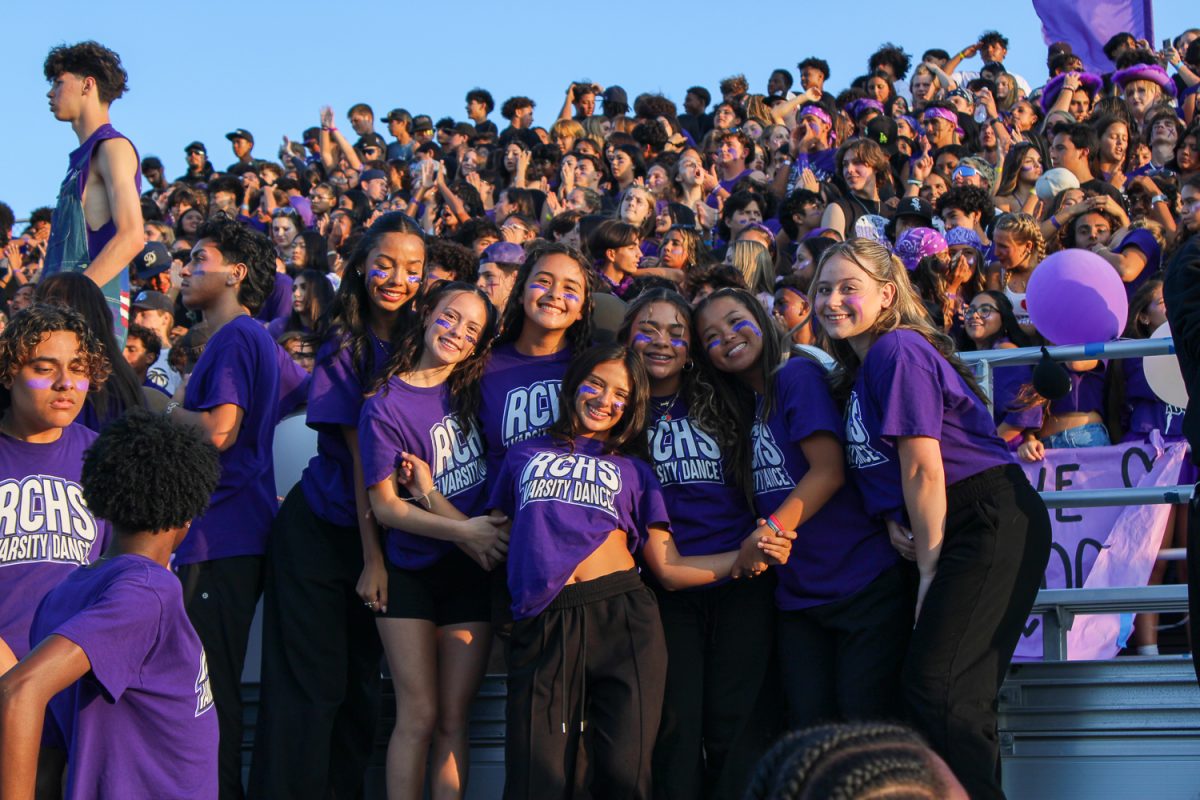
[857, 761]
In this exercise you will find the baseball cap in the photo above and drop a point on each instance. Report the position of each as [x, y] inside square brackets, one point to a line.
[152, 301]
[395, 114]
[154, 258]
[240, 133]
[372, 140]
[503, 253]
[197, 147]
[422, 123]
[373, 175]
[915, 207]
[614, 97]
[1053, 181]
[882, 131]
[151, 162]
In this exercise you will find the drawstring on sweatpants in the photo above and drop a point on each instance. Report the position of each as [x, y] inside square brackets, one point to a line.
[562, 639]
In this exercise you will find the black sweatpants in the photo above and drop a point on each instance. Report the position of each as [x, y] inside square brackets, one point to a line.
[220, 597]
[321, 659]
[721, 709]
[585, 689]
[992, 562]
[841, 661]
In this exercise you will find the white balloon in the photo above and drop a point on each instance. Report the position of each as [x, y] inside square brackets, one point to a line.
[295, 445]
[1163, 373]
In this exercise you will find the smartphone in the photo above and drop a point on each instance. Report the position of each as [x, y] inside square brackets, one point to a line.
[1166, 45]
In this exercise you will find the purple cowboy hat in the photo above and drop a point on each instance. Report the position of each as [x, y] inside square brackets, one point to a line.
[1145, 72]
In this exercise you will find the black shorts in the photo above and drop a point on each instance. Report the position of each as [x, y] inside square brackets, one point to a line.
[452, 591]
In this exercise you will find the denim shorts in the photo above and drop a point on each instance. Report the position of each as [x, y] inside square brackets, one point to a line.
[1092, 434]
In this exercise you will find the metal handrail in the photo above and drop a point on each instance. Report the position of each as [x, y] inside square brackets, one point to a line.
[1097, 498]
[1059, 607]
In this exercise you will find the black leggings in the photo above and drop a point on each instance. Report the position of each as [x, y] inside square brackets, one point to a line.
[585, 691]
[991, 566]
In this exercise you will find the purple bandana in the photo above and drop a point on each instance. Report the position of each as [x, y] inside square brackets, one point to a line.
[957, 237]
[917, 243]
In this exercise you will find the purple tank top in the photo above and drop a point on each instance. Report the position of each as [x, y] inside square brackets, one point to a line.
[81, 164]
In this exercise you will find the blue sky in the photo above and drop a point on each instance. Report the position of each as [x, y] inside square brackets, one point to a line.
[198, 71]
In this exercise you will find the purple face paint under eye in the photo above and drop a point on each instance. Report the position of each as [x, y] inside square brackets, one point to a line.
[585, 389]
[442, 323]
[414, 278]
[82, 384]
[618, 406]
[715, 343]
[680, 343]
[39, 383]
[641, 338]
[747, 324]
[377, 275]
[574, 298]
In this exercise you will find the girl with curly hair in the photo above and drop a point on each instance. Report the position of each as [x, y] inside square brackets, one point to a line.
[49, 362]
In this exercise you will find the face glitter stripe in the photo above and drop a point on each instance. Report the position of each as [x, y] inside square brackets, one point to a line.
[744, 324]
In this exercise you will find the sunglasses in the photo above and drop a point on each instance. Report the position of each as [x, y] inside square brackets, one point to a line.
[965, 172]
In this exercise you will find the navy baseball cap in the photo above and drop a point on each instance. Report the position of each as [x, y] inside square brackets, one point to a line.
[240, 133]
[154, 259]
[152, 301]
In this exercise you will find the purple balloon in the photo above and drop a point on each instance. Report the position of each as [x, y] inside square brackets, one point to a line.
[1075, 297]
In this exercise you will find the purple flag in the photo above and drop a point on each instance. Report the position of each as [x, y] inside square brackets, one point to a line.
[1087, 24]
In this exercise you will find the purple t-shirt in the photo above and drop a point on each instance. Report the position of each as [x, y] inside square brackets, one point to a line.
[839, 550]
[419, 420]
[1086, 395]
[520, 398]
[1007, 383]
[1143, 411]
[279, 302]
[1143, 240]
[46, 530]
[563, 504]
[240, 366]
[141, 723]
[335, 399]
[906, 388]
[293, 383]
[708, 512]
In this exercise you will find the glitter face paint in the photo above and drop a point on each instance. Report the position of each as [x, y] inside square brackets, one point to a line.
[377, 275]
[641, 338]
[747, 324]
[414, 278]
[679, 343]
